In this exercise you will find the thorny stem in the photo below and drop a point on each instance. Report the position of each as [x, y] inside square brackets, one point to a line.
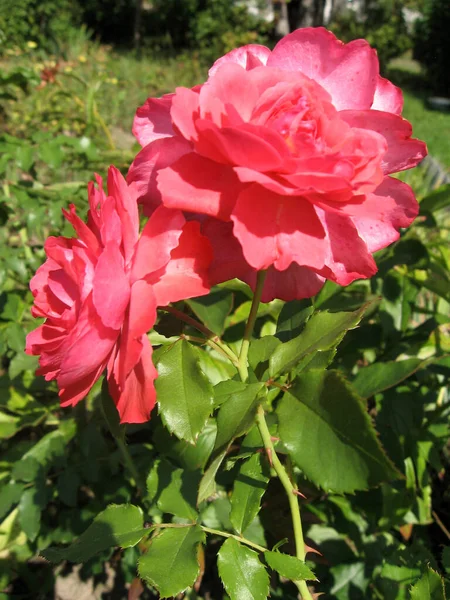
[267, 438]
[212, 339]
[243, 354]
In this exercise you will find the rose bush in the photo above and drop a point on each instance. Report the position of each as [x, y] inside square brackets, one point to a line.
[286, 155]
[99, 291]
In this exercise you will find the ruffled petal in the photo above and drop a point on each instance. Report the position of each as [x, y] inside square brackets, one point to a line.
[277, 230]
[147, 164]
[403, 152]
[249, 57]
[185, 275]
[200, 185]
[152, 120]
[349, 72]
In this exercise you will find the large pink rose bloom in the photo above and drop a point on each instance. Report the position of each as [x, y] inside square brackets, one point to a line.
[293, 148]
[99, 291]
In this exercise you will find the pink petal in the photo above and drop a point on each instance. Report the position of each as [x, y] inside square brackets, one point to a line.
[159, 237]
[388, 97]
[142, 313]
[248, 57]
[403, 151]
[152, 120]
[228, 261]
[294, 283]
[145, 167]
[79, 389]
[127, 209]
[185, 275]
[349, 72]
[348, 257]
[277, 230]
[86, 348]
[82, 230]
[231, 85]
[250, 146]
[184, 112]
[44, 339]
[391, 207]
[138, 397]
[197, 184]
[111, 289]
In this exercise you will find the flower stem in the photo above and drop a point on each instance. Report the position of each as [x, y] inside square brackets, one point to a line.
[291, 494]
[214, 339]
[243, 354]
[267, 439]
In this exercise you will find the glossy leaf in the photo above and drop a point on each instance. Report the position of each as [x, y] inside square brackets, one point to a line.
[381, 376]
[213, 309]
[207, 485]
[292, 318]
[185, 395]
[326, 429]
[249, 488]
[242, 574]
[118, 525]
[323, 331]
[173, 490]
[236, 414]
[429, 587]
[288, 566]
[171, 564]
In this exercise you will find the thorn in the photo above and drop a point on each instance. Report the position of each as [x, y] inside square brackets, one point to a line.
[308, 550]
[269, 456]
[298, 493]
[274, 439]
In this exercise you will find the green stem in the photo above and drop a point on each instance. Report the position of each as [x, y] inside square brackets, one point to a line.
[243, 354]
[210, 335]
[267, 438]
[291, 494]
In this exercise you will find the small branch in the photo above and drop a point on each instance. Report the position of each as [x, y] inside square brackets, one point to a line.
[441, 524]
[213, 340]
[243, 354]
[224, 534]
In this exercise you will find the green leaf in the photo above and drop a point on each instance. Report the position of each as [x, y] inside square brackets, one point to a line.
[185, 395]
[249, 488]
[288, 566]
[236, 414]
[8, 426]
[68, 483]
[323, 331]
[191, 457]
[207, 485]
[292, 318]
[325, 427]
[174, 490]
[262, 349]
[429, 587]
[383, 375]
[213, 309]
[118, 525]
[241, 572]
[436, 200]
[10, 494]
[30, 513]
[170, 564]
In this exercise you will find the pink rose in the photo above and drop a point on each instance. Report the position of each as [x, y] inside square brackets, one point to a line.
[99, 291]
[292, 147]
